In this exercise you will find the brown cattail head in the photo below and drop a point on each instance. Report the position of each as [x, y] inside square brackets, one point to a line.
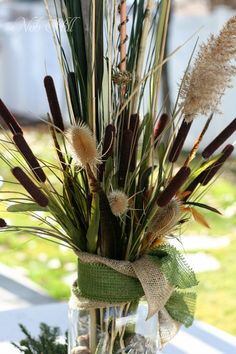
[82, 145]
[206, 176]
[173, 187]
[29, 157]
[53, 103]
[160, 125]
[219, 140]
[108, 145]
[110, 229]
[2, 223]
[30, 187]
[134, 126]
[118, 202]
[191, 188]
[125, 156]
[8, 118]
[179, 141]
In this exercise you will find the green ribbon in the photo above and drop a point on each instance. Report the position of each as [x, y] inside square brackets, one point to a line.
[99, 282]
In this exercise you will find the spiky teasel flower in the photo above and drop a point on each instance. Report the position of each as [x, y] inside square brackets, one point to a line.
[83, 145]
[203, 87]
[163, 223]
[118, 202]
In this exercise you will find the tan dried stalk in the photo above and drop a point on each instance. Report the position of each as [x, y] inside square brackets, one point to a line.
[211, 74]
[141, 53]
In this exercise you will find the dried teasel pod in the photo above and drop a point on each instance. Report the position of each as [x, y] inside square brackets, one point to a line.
[160, 126]
[80, 350]
[82, 145]
[9, 119]
[173, 187]
[119, 202]
[30, 187]
[2, 223]
[211, 171]
[179, 141]
[29, 157]
[219, 140]
[53, 103]
[163, 222]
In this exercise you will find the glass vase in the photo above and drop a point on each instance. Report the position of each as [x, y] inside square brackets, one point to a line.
[112, 330]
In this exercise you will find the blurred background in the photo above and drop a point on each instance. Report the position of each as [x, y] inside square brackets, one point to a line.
[27, 54]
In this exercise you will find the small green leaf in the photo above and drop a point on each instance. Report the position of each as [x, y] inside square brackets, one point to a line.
[24, 207]
[204, 206]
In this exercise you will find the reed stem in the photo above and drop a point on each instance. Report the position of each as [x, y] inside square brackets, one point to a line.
[141, 53]
[93, 331]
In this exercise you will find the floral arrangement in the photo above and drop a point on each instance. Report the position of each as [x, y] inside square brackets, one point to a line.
[120, 192]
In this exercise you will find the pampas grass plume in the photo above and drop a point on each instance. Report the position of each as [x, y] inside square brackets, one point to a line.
[118, 202]
[83, 145]
[211, 74]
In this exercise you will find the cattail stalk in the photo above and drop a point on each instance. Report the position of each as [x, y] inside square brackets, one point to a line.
[173, 187]
[29, 157]
[219, 140]
[57, 146]
[160, 126]
[30, 187]
[9, 119]
[211, 171]
[53, 103]
[179, 141]
[141, 52]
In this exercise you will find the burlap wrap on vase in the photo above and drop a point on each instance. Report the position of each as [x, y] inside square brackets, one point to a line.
[104, 282]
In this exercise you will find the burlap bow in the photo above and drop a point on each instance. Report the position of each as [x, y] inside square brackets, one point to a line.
[105, 282]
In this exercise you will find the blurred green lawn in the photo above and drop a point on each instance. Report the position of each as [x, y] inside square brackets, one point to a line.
[48, 264]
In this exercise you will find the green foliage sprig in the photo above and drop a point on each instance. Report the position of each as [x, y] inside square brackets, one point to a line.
[46, 343]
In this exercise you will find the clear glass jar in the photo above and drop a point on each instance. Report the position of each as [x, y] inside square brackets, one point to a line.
[112, 330]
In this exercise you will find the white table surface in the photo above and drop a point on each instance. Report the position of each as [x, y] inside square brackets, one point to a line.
[199, 339]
